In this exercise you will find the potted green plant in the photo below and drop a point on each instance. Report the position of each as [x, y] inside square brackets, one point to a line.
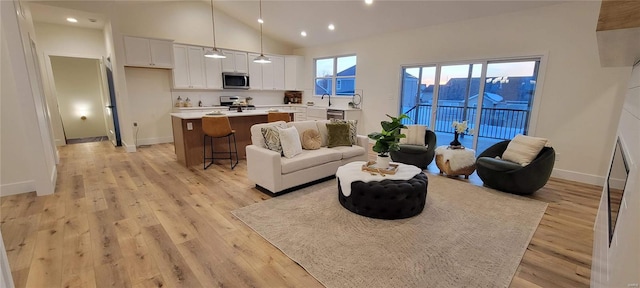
[387, 140]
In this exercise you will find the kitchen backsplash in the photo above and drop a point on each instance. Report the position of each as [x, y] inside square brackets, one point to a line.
[212, 98]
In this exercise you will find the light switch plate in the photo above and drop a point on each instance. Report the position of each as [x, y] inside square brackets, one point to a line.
[189, 126]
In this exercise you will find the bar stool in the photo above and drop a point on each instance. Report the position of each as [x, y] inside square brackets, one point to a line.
[278, 116]
[218, 127]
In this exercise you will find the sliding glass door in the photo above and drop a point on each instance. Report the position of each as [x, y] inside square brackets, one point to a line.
[457, 100]
[494, 97]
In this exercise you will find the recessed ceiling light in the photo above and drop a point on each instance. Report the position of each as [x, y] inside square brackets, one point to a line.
[368, 2]
[331, 27]
[260, 20]
[303, 34]
[72, 20]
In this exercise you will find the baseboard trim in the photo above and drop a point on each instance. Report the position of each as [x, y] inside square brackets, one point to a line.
[17, 188]
[128, 148]
[578, 177]
[158, 140]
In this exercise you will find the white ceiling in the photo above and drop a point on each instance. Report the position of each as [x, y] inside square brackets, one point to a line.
[58, 15]
[353, 19]
[284, 20]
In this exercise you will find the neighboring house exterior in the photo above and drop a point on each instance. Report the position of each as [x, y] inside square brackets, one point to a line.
[345, 83]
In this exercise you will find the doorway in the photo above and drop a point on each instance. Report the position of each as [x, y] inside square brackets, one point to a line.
[81, 92]
[494, 97]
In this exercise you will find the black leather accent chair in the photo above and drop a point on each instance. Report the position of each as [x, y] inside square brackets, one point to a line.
[386, 199]
[512, 177]
[417, 155]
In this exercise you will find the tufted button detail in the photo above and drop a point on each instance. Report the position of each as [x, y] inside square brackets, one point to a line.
[387, 199]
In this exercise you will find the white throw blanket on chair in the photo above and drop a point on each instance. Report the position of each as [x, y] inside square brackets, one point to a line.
[458, 158]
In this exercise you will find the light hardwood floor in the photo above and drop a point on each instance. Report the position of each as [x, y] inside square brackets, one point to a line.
[142, 220]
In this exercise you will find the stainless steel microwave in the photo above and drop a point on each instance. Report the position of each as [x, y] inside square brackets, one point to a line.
[235, 80]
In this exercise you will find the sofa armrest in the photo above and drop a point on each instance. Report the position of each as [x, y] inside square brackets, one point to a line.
[264, 167]
[363, 141]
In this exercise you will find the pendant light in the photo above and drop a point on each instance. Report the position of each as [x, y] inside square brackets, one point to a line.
[261, 59]
[215, 52]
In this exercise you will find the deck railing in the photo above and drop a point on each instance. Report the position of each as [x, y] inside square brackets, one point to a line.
[497, 123]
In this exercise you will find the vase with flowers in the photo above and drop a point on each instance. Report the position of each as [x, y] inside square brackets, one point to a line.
[459, 128]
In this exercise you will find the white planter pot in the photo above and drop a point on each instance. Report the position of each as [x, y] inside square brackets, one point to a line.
[383, 162]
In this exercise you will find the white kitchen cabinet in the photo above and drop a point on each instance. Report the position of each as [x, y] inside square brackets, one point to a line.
[213, 73]
[255, 73]
[273, 74]
[293, 67]
[300, 114]
[151, 53]
[268, 76]
[316, 113]
[236, 61]
[188, 72]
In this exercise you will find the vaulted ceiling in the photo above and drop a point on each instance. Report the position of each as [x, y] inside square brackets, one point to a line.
[353, 19]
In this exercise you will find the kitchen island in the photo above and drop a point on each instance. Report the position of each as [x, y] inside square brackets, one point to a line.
[188, 134]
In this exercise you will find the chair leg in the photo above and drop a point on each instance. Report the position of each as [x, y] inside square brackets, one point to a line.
[204, 152]
[233, 165]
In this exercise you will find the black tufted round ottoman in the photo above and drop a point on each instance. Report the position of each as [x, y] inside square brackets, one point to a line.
[386, 199]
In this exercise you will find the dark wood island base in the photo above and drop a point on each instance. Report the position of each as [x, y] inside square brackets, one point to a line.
[189, 142]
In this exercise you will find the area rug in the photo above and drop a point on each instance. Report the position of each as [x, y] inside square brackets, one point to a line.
[467, 236]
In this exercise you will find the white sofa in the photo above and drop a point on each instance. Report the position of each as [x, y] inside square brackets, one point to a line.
[275, 173]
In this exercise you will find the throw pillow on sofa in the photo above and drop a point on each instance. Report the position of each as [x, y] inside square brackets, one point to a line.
[311, 139]
[272, 138]
[338, 134]
[290, 140]
[353, 129]
[303, 126]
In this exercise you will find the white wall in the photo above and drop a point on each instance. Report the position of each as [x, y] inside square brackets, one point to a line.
[212, 98]
[150, 93]
[63, 40]
[579, 101]
[15, 175]
[189, 22]
[40, 154]
[618, 265]
[79, 93]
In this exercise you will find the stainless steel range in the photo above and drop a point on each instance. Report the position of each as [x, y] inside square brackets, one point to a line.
[235, 102]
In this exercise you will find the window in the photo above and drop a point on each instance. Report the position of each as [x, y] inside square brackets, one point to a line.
[335, 76]
[495, 97]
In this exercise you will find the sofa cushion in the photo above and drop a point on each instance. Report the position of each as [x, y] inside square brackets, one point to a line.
[290, 141]
[324, 134]
[309, 158]
[350, 151]
[338, 134]
[495, 164]
[256, 132]
[413, 149]
[302, 126]
[311, 139]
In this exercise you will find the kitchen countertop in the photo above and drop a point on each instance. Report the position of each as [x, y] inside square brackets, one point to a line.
[266, 106]
[200, 114]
